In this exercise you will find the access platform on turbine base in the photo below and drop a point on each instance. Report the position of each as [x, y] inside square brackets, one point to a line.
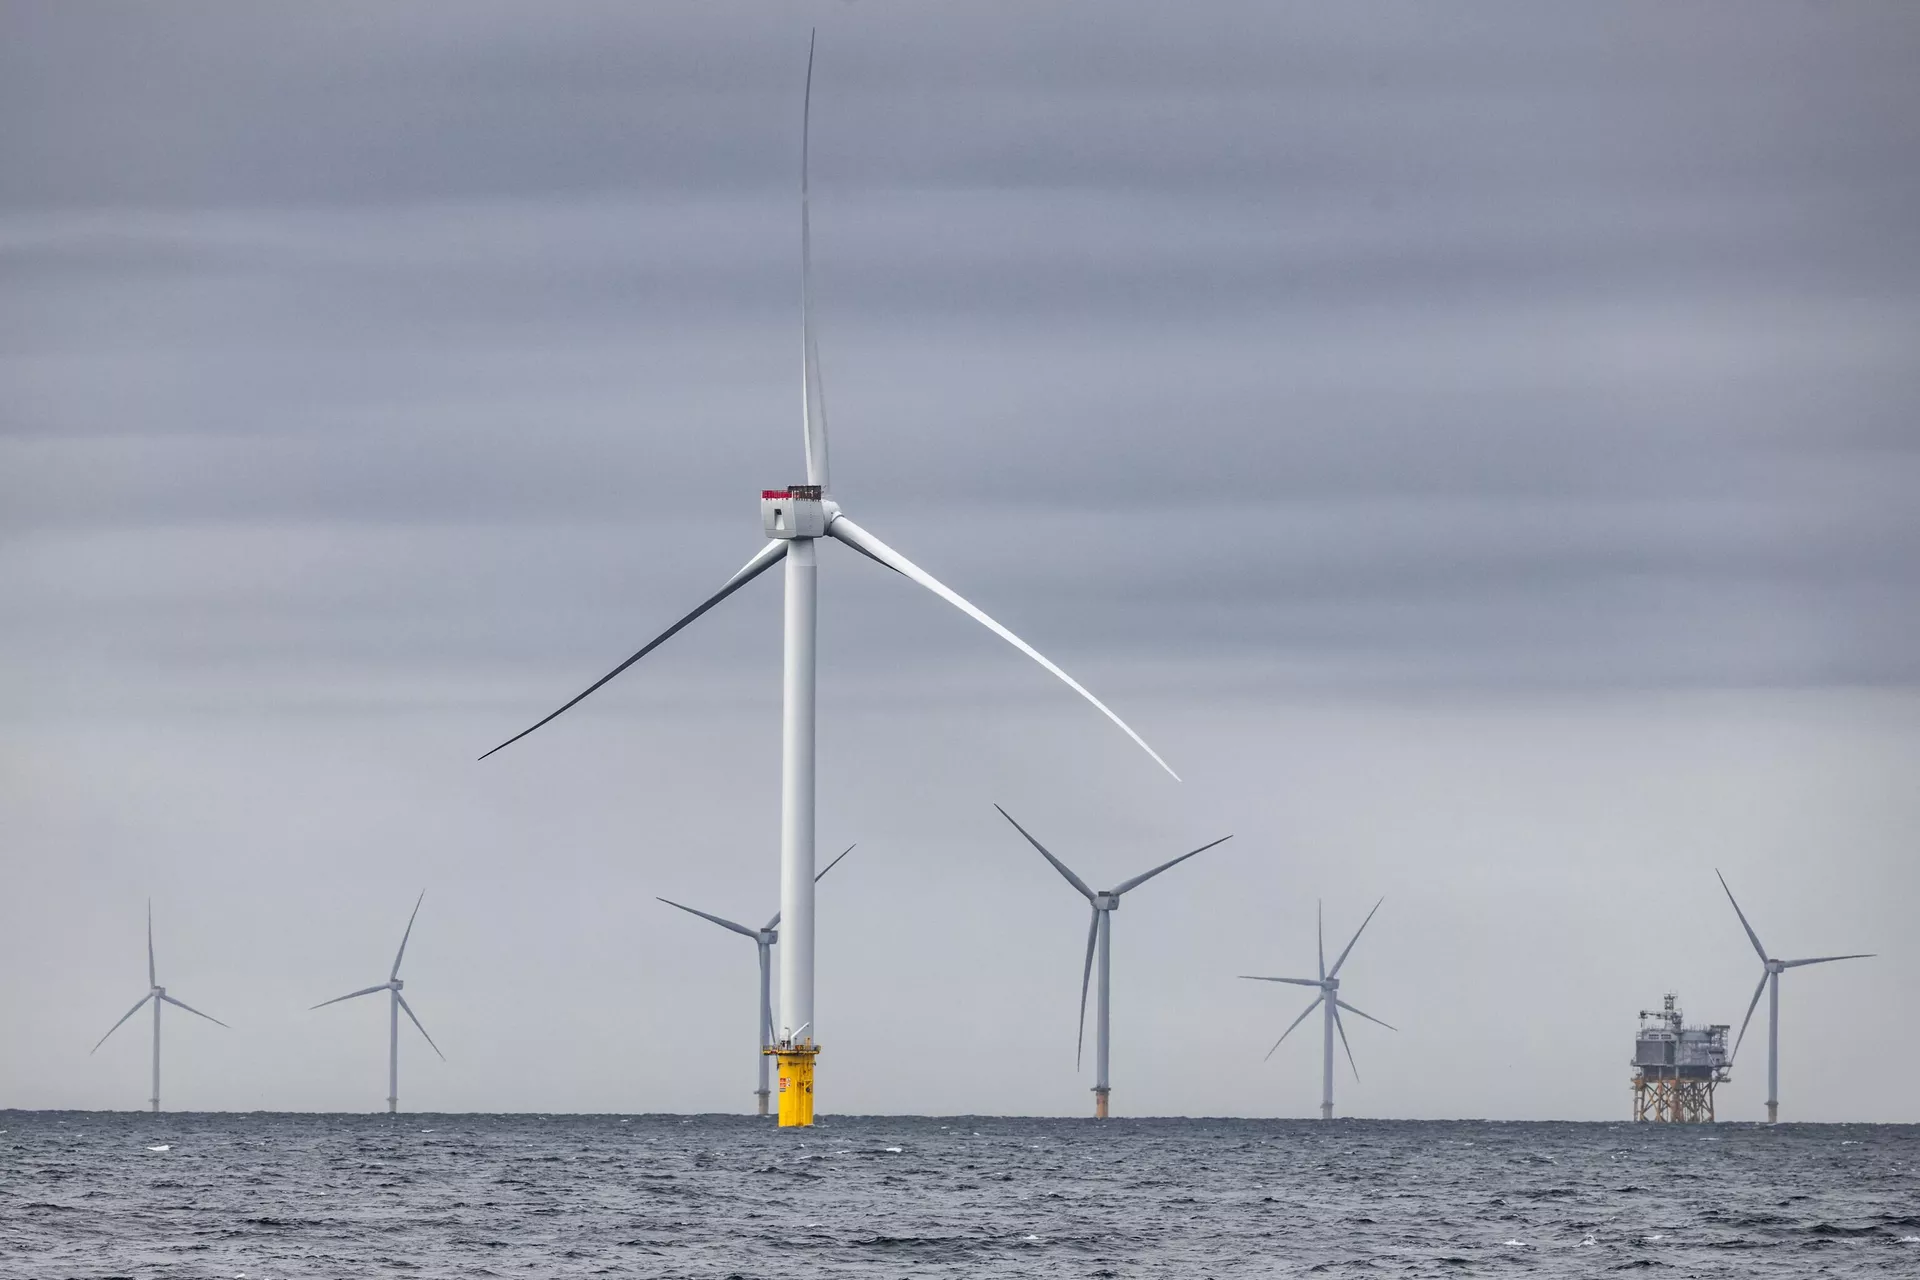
[1676, 1067]
[796, 1083]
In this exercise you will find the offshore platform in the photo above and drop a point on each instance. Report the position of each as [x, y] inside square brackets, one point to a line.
[1675, 1067]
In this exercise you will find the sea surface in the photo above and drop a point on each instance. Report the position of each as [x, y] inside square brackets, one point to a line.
[92, 1194]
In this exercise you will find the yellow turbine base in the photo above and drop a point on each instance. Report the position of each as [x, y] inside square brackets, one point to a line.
[796, 1083]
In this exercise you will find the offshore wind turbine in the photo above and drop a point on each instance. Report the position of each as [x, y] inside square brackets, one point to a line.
[1770, 972]
[1100, 937]
[395, 1003]
[157, 994]
[1329, 1000]
[794, 520]
[764, 938]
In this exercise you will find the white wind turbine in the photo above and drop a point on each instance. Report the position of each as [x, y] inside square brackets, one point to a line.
[764, 938]
[157, 994]
[1770, 972]
[395, 1004]
[1100, 936]
[1329, 999]
[794, 519]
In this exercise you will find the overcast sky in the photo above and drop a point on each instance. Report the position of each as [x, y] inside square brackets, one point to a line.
[1475, 444]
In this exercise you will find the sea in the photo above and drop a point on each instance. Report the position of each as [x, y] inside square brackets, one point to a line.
[264, 1196]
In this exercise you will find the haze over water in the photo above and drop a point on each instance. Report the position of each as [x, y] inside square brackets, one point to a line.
[90, 1194]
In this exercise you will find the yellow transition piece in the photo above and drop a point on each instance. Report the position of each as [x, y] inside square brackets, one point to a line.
[796, 1083]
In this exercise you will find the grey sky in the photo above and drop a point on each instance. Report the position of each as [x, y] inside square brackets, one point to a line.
[1475, 445]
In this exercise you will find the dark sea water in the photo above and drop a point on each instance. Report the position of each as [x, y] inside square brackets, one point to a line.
[263, 1196]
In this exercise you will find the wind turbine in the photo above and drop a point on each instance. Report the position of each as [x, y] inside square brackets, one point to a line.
[794, 519]
[1329, 999]
[157, 994]
[1770, 983]
[395, 1004]
[764, 938]
[1100, 935]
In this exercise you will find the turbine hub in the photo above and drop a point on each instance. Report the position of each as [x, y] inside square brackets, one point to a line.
[797, 511]
[396, 983]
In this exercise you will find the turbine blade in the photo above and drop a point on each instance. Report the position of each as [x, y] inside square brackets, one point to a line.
[752, 569]
[123, 1017]
[1296, 1022]
[152, 980]
[1752, 937]
[1751, 1006]
[408, 934]
[812, 389]
[1145, 876]
[1298, 982]
[1341, 1027]
[1795, 964]
[365, 991]
[416, 1022]
[818, 877]
[1342, 1004]
[722, 922]
[1335, 971]
[1320, 934]
[1058, 865]
[190, 1009]
[1086, 976]
[854, 536]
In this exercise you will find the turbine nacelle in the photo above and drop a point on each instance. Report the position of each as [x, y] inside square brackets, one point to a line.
[797, 511]
[1106, 901]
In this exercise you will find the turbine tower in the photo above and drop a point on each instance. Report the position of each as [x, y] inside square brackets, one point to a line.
[395, 1004]
[794, 520]
[1328, 1000]
[157, 994]
[1100, 936]
[763, 938]
[1770, 972]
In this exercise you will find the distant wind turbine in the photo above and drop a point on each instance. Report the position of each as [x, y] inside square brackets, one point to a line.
[764, 938]
[1329, 999]
[157, 994]
[1099, 935]
[795, 519]
[1770, 972]
[395, 1004]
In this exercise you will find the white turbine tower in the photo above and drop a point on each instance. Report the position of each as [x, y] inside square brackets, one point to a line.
[395, 1004]
[1770, 972]
[1329, 999]
[794, 520]
[1100, 936]
[157, 994]
[764, 938]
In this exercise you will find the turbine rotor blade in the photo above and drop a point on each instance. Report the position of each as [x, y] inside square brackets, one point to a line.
[1335, 971]
[1795, 964]
[854, 536]
[1342, 1004]
[190, 1009]
[1752, 937]
[818, 877]
[1058, 865]
[1086, 976]
[408, 934]
[416, 1022]
[1320, 934]
[752, 569]
[812, 388]
[123, 1017]
[719, 920]
[1298, 982]
[1296, 1022]
[1145, 876]
[364, 991]
[1751, 1006]
[1341, 1027]
[152, 980]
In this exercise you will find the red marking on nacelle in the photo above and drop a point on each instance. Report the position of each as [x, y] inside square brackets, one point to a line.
[776, 493]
